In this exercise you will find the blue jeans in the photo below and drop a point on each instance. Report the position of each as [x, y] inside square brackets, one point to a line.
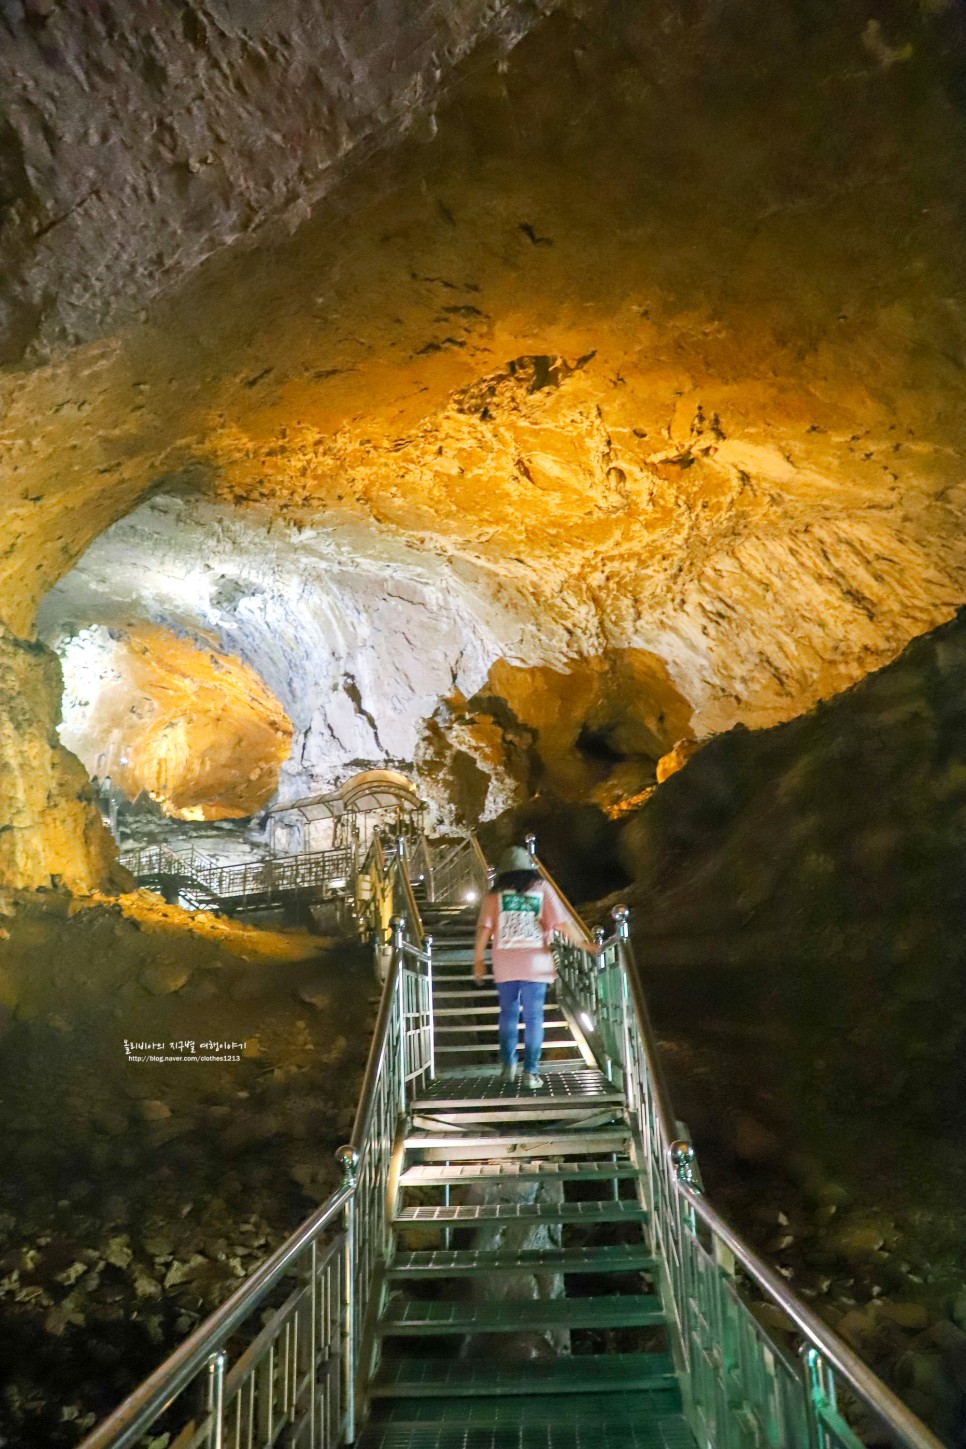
[531, 996]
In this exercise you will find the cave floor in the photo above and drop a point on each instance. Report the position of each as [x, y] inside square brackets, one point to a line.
[135, 1195]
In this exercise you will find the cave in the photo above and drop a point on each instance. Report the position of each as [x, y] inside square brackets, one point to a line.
[556, 408]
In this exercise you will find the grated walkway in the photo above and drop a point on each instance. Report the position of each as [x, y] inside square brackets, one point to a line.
[522, 1308]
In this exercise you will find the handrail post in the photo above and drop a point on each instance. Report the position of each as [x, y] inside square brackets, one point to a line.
[215, 1399]
[348, 1160]
[432, 1013]
[819, 1389]
[621, 916]
[399, 961]
[530, 841]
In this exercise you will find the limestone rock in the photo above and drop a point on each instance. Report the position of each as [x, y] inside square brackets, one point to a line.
[163, 978]
[194, 729]
[154, 1111]
[52, 833]
[179, 131]
[675, 759]
[754, 1141]
[913, 1316]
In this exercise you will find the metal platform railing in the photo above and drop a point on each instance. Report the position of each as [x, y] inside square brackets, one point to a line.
[287, 1359]
[246, 881]
[453, 871]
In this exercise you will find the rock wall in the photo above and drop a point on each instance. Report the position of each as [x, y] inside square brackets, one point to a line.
[818, 870]
[137, 139]
[379, 654]
[650, 343]
[50, 831]
[193, 727]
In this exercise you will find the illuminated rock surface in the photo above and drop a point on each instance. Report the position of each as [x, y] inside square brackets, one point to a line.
[51, 833]
[196, 730]
[656, 327]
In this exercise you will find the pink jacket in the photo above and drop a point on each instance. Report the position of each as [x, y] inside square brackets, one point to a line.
[520, 925]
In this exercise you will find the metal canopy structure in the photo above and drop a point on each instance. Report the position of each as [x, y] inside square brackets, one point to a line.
[369, 791]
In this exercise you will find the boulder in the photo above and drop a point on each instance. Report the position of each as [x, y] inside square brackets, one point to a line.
[164, 978]
[753, 1141]
[914, 1316]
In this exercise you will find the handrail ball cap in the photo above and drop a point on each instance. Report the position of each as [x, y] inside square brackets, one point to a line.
[348, 1159]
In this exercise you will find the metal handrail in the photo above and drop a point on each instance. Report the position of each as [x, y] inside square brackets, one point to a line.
[865, 1384]
[693, 1275]
[317, 1352]
[338, 1300]
[239, 880]
[531, 844]
[135, 1416]
[458, 873]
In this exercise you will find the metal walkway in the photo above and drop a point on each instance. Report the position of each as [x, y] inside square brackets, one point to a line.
[516, 1251]
[504, 1268]
[190, 879]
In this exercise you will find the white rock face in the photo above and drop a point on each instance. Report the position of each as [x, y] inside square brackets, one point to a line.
[359, 638]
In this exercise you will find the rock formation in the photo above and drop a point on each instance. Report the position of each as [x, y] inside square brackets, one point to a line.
[822, 864]
[648, 346]
[195, 729]
[50, 833]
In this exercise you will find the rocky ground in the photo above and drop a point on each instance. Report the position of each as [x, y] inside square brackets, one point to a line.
[135, 1196]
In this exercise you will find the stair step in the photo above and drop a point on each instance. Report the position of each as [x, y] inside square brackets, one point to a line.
[570, 1374]
[469, 1262]
[614, 1310]
[440, 973]
[524, 1212]
[488, 1048]
[496, 1114]
[462, 1172]
[455, 1074]
[494, 1010]
[471, 993]
[464, 1147]
[586, 1419]
[491, 1027]
[512, 1094]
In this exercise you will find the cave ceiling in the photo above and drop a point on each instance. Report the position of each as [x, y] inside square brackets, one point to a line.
[649, 335]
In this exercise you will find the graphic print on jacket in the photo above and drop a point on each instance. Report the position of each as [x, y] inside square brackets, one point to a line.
[518, 923]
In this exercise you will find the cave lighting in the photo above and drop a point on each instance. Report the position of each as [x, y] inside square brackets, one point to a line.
[586, 1022]
[471, 898]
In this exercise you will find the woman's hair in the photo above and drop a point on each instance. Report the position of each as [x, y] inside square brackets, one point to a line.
[516, 880]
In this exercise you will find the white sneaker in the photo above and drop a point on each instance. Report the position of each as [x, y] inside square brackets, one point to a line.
[510, 1074]
[530, 1079]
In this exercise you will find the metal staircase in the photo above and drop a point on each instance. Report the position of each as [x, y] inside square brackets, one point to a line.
[464, 1262]
[504, 1268]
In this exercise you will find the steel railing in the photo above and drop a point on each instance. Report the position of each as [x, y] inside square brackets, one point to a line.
[741, 1384]
[299, 1375]
[323, 870]
[454, 872]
